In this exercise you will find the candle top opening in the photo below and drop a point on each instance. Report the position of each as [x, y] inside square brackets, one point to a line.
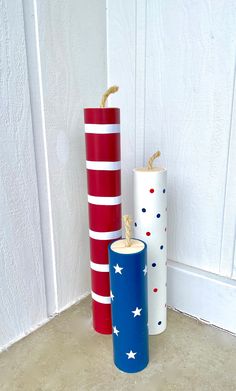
[154, 169]
[119, 246]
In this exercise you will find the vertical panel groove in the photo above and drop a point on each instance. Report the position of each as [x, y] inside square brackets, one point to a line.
[227, 251]
[145, 84]
[140, 80]
[41, 153]
[227, 164]
[233, 265]
[135, 84]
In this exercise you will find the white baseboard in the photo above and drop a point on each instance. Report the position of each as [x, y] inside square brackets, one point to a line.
[206, 296]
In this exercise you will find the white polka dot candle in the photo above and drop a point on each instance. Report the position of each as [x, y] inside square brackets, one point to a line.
[102, 136]
[150, 225]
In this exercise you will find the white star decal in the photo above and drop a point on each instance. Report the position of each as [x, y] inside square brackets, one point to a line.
[131, 355]
[145, 270]
[118, 269]
[115, 331]
[137, 312]
[112, 296]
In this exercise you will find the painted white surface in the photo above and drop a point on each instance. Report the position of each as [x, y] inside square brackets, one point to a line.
[99, 267]
[175, 65]
[110, 235]
[191, 64]
[41, 153]
[121, 72]
[101, 299]
[104, 200]
[209, 297]
[147, 206]
[103, 166]
[72, 45]
[228, 244]
[22, 289]
[102, 129]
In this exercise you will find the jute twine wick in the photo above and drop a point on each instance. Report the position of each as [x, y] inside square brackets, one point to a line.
[110, 90]
[151, 160]
[128, 230]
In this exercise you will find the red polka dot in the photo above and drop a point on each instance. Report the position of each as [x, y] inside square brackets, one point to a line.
[151, 190]
[148, 233]
[155, 290]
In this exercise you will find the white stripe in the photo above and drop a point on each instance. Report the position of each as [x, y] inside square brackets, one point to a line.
[102, 128]
[99, 267]
[105, 235]
[107, 166]
[104, 200]
[101, 299]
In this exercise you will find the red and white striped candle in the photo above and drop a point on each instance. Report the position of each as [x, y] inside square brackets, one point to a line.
[102, 137]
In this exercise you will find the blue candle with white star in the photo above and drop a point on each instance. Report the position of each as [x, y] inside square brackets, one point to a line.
[128, 280]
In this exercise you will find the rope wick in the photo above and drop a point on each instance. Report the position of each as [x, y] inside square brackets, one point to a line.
[110, 90]
[151, 160]
[128, 230]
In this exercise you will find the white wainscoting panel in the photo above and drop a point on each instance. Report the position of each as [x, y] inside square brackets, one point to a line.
[22, 289]
[175, 64]
[190, 70]
[209, 297]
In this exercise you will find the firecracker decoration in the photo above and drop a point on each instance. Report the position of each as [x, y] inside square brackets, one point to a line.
[102, 137]
[150, 225]
[128, 275]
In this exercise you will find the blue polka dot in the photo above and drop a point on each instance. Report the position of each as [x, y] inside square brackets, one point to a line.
[154, 264]
[164, 190]
[159, 323]
[158, 215]
[161, 247]
[143, 210]
[135, 224]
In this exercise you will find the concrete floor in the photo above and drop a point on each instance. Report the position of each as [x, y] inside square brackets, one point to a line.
[66, 354]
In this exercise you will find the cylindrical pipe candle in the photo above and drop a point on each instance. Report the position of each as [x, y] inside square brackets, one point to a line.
[150, 224]
[128, 276]
[102, 136]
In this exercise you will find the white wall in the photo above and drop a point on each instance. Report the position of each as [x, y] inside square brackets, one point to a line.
[44, 265]
[22, 288]
[175, 65]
